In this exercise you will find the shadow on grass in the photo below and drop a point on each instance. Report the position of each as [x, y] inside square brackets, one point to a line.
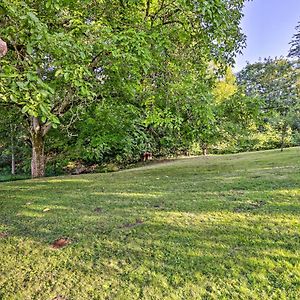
[159, 229]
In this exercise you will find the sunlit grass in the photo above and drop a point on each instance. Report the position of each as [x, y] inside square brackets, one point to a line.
[219, 227]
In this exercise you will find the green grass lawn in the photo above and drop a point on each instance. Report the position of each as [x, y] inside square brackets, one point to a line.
[9, 177]
[218, 227]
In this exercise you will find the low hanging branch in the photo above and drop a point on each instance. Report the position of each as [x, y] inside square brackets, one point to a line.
[3, 48]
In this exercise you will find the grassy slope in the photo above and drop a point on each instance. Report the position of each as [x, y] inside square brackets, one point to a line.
[222, 227]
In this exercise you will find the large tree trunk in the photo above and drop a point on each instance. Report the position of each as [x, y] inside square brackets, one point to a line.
[38, 162]
[38, 156]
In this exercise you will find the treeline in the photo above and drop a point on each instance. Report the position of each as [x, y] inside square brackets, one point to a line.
[89, 86]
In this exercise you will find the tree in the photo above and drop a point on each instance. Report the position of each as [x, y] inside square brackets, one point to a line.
[43, 74]
[12, 136]
[295, 44]
[275, 81]
[64, 55]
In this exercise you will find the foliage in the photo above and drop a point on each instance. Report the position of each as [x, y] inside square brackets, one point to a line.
[226, 87]
[295, 44]
[110, 132]
[276, 82]
[13, 141]
[65, 55]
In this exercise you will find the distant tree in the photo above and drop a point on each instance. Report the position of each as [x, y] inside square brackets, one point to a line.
[276, 82]
[295, 44]
[12, 136]
[206, 113]
[225, 87]
[234, 111]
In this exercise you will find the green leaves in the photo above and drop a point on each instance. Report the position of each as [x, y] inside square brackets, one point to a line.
[276, 83]
[29, 49]
[33, 17]
[67, 55]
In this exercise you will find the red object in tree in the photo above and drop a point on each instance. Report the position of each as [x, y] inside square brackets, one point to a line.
[3, 48]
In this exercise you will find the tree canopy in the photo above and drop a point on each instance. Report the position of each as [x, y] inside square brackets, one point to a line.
[276, 82]
[65, 55]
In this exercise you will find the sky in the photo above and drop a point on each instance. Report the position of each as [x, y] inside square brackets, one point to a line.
[269, 26]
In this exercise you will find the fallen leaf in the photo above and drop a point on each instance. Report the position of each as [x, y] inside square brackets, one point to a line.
[60, 243]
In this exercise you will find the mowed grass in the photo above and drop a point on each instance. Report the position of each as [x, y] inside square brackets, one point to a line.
[218, 227]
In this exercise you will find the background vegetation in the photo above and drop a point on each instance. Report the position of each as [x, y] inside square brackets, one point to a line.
[91, 86]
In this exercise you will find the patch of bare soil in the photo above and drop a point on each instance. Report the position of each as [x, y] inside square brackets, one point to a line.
[3, 235]
[60, 243]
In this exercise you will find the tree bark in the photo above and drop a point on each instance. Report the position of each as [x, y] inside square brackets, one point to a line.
[38, 146]
[283, 133]
[13, 164]
[204, 149]
[38, 156]
[13, 160]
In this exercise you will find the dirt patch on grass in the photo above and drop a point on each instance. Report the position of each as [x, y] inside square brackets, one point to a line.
[3, 235]
[60, 243]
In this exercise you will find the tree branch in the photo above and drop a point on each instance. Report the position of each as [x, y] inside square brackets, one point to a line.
[36, 127]
[173, 22]
[46, 128]
[147, 9]
[122, 4]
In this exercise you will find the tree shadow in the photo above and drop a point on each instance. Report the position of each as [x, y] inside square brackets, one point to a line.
[196, 230]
